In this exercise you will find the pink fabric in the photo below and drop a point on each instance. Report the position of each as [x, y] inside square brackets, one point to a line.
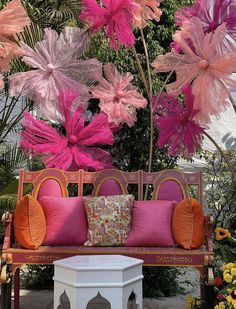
[56, 66]
[115, 15]
[204, 65]
[176, 123]
[66, 221]
[170, 190]
[118, 97]
[50, 187]
[211, 14]
[75, 150]
[13, 19]
[151, 224]
[110, 187]
[145, 10]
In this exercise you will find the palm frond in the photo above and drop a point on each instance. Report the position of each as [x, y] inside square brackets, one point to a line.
[8, 202]
[13, 157]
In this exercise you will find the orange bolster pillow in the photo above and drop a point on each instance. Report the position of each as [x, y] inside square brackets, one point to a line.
[29, 223]
[188, 224]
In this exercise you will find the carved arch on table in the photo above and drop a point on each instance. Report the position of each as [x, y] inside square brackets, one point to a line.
[170, 175]
[100, 297]
[105, 175]
[51, 173]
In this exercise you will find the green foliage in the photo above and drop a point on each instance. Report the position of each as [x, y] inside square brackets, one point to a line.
[37, 277]
[161, 281]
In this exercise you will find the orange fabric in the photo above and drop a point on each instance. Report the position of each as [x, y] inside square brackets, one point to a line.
[29, 223]
[188, 224]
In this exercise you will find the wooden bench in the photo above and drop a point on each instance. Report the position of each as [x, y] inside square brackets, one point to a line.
[164, 185]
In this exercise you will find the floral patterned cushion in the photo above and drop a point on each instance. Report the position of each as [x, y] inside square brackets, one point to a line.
[109, 219]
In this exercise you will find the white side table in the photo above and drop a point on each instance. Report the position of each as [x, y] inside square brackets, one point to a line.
[115, 277]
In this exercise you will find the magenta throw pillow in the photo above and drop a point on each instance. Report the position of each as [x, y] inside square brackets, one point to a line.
[66, 221]
[151, 224]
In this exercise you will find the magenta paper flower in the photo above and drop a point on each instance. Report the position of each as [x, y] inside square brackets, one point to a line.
[204, 64]
[56, 66]
[115, 15]
[212, 14]
[145, 10]
[118, 98]
[13, 19]
[77, 148]
[177, 128]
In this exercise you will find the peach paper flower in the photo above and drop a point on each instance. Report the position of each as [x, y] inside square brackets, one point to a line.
[203, 63]
[118, 98]
[145, 10]
[13, 19]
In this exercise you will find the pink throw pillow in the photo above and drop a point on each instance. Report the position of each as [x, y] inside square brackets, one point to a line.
[151, 224]
[50, 187]
[66, 221]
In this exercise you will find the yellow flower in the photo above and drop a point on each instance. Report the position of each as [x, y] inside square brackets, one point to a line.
[228, 278]
[233, 271]
[230, 300]
[229, 265]
[222, 233]
[229, 290]
[221, 305]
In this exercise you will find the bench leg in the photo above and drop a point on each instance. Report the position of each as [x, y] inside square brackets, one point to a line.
[209, 282]
[6, 295]
[17, 289]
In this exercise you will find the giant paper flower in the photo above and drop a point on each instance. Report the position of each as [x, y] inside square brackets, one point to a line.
[211, 13]
[77, 148]
[115, 15]
[56, 67]
[13, 19]
[145, 10]
[177, 127]
[203, 63]
[118, 98]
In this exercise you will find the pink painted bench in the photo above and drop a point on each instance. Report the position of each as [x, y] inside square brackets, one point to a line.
[167, 184]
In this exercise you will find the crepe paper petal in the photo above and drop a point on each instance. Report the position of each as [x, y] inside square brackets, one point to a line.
[177, 128]
[56, 66]
[145, 10]
[115, 15]
[77, 149]
[13, 18]
[118, 98]
[211, 14]
[205, 64]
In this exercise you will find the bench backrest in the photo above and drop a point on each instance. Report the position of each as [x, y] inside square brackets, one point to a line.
[166, 184]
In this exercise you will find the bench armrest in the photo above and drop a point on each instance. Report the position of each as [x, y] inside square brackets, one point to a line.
[209, 221]
[7, 219]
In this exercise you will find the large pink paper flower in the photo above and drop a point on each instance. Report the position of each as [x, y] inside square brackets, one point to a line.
[115, 15]
[211, 13]
[177, 127]
[203, 63]
[145, 10]
[56, 66]
[118, 98]
[77, 148]
[13, 19]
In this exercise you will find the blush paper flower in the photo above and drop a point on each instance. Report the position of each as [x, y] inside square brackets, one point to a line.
[115, 15]
[177, 128]
[55, 66]
[203, 63]
[77, 149]
[13, 19]
[145, 10]
[211, 14]
[118, 98]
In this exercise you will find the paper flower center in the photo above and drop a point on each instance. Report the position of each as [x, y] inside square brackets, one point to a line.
[50, 68]
[72, 139]
[203, 64]
[118, 96]
[212, 26]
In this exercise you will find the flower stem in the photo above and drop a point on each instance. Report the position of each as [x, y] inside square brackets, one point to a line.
[222, 154]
